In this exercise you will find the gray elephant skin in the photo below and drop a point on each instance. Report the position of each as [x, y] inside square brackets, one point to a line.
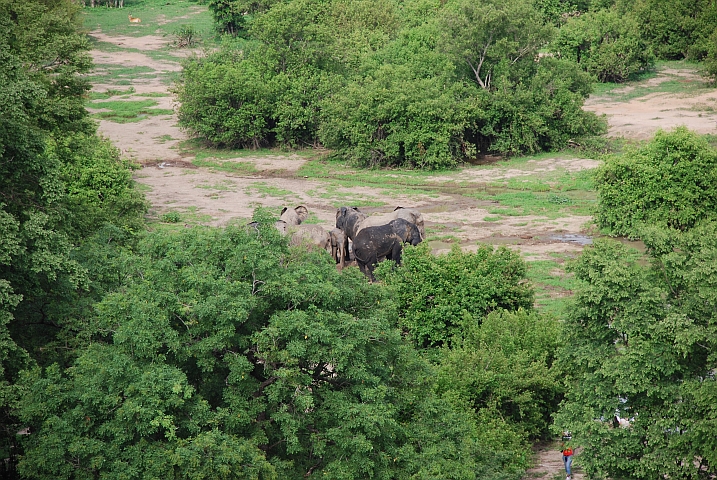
[339, 246]
[410, 214]
[383, 241]
[294, 216]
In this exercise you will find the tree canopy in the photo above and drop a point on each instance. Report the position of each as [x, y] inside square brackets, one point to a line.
[407, 84]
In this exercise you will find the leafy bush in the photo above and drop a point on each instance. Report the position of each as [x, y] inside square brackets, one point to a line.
[505, 366]
[437, 295]
[394, 119]
[605, 43]
[640, 342]
[668, 182]
[226, 351]
[389, 87]
[676, 29]
[228, 103]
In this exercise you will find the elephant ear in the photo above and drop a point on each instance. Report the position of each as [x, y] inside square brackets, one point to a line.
[302, 212]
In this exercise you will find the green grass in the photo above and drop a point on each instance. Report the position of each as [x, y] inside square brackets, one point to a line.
[109, 93]
[263, 189]
[553, 286]
[153, 95]
[619, 92]
[159, 17]
[222, 186]
[225, 166]
[128, 111]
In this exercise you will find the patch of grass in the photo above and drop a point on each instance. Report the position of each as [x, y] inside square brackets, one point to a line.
[553, 286]
[202, 151]
[263, 189]
[492, 219]
[637, 88]
[164, 138]
[550, 205]
[339, 198]
[152, 94]
[128, 111]
[171, 217]
[226, 166]
[159, 17]
[110, 92]
[224, 186]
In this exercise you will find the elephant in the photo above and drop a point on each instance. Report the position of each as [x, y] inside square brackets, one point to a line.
[348, 219]
[383, 241]
[310, 235]
[409, 214]
[294, 216]
[339, 246]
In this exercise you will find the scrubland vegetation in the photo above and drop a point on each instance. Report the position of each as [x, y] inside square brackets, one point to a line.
[131, 349]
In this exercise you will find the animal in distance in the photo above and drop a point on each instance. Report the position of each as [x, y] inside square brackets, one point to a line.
[134, 19]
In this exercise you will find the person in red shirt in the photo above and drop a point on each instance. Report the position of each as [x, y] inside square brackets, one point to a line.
[567, 455]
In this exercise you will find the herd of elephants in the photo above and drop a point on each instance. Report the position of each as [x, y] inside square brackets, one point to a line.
[357, 237]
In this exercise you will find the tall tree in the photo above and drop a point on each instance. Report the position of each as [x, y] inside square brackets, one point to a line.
[490, 36]
[640, 347]
[227, 355]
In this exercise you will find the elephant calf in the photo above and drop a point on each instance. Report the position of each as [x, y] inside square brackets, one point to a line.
[339, 246]
[373, 243]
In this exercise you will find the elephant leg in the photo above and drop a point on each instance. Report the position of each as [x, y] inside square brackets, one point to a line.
[396, 252]
[342, 256]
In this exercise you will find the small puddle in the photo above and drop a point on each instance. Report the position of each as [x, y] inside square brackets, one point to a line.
[573, 238]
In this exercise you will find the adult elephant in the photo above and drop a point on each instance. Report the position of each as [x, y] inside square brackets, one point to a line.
[409, 214]
[348, 220]
[309, 235]
[294, 216]
[384, 241]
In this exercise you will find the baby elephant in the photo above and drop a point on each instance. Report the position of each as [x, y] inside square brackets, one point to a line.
[383, 241]
[339, 246]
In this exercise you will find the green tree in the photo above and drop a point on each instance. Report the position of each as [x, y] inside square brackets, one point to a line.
[436, 295]
[640, 345]
[605, 43]
[667, 182]
[44, 190]
[226, 354]
[488, 38]
[678, 29]
[504, 367]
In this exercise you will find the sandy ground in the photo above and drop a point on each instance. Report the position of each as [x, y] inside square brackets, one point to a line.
[172, 183]
[641, 117]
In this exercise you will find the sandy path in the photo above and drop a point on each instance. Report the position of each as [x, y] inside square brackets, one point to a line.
[548, 465]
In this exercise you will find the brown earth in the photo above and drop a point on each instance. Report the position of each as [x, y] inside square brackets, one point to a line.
[172, 183]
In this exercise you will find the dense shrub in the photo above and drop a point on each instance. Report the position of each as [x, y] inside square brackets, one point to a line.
[605, 43]
[392, 118]
[436, 295]
[541, 113]
[429, 88]
[228, 103]
[668, 182]
[226, 353]
[676, 29]
[505, 365]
